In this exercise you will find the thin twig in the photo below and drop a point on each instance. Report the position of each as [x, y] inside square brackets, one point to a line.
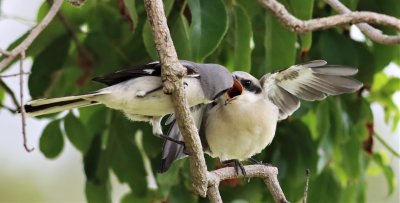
[171, 74]
[19, 19]
[386, 145]
[369, 31]
[14, 74]
[305, 196]
[32, 35]
[10, 93]
[303, 26]
[11, 110]
[4, 52]
[21, 97]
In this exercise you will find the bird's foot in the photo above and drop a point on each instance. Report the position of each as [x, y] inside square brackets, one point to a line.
[237, 165]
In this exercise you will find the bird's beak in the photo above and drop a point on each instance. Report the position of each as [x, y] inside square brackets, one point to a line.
[236, 90]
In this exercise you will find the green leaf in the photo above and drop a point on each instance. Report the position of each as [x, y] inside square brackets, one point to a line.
[329, 188]
[180, 35]
[77, 133]
[243, 35]
[124, 156]
[98, 192]
[279, 45]
[209, 25]
[1, 95]
[149, 41]
[387, 170]
[351, 4]
[169, 179]
[168, 5]
[133, 198]
[130, 5]
[51, 142]
[98, 187]
[252, 8]
[46, 64]
[384, 54]
[366, 64]
[303, 10]
[180, 194]
[337, 49]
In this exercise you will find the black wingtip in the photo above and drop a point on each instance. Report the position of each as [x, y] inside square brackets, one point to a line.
[163, 167]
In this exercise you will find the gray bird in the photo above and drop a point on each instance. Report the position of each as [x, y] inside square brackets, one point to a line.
[138, 92]
[242, 122]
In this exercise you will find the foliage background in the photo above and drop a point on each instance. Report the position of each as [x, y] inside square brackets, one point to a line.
[328, 137]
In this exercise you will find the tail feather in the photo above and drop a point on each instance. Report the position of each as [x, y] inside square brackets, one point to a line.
[54, 105]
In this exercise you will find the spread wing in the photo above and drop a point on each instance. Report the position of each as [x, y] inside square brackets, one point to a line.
[310, 81]
[150, 69]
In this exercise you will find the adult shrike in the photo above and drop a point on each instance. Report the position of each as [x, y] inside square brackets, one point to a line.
[242, 122]
[138, 92]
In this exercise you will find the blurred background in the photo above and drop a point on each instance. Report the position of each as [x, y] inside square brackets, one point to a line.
[31, 177]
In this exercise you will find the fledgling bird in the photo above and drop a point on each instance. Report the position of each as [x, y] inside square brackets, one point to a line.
[242, 122]
[138, 92]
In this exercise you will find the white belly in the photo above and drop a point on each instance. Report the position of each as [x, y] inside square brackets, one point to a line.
[126, 96]
[241, 129]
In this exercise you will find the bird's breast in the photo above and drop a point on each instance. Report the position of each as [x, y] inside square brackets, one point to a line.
[240, 129]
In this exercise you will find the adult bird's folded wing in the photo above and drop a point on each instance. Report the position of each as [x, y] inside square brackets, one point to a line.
[310, 81]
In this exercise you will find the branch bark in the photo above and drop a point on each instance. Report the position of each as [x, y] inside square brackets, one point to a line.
[172, 73]
[302, 26]
[268, 173]
[21, 48]
[369, 31]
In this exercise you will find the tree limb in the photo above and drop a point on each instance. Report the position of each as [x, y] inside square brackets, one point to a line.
[11, 55]
[369, 31]
[268, 173]
[171, 74]
[302, 26]
[9, 91]
[21, 101]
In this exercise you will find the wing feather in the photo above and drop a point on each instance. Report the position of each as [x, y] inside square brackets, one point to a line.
[150, 69]
[309, 81]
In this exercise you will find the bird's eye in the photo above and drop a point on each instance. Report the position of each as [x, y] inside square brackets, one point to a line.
[246, 83]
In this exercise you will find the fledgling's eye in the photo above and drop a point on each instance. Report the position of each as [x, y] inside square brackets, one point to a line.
[246, 83]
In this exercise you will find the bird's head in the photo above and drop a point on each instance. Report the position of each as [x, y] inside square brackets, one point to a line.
[243, 84]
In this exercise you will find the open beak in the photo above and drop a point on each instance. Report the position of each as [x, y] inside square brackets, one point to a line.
[236, 90]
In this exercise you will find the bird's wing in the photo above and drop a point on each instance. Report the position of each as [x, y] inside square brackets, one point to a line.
[310, 81]
[171, 150]
[150, 69]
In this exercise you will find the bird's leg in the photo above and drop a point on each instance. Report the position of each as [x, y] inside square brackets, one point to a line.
[237, 165]
[173, 140]
[179, 142]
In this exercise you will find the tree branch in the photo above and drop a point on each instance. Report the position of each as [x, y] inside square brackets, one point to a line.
[9, 91]
[268, 173]
[21, 101]
[14, 74]
[172, 73]
[369, 31]
[302, 26]
[11, 55]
